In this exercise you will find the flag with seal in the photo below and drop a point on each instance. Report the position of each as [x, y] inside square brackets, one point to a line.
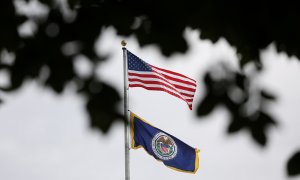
[164, 147]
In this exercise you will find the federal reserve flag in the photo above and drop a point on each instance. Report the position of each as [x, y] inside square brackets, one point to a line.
[162, 146]
[147, 76]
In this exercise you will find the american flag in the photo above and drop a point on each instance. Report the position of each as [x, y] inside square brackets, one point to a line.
[147, 76]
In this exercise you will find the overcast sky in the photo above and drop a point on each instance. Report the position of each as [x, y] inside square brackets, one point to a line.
[47, 136]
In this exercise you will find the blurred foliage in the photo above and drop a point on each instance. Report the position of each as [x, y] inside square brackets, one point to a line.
[66, 30]
[245, 103]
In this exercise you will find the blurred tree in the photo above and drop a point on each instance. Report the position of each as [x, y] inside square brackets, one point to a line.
[68, 28]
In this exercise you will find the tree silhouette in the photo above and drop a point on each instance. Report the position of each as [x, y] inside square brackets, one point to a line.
[47, 53]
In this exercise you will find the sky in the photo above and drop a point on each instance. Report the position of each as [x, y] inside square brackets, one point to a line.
[47, 136]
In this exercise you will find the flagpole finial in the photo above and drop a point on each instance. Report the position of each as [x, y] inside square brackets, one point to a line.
[123, 43]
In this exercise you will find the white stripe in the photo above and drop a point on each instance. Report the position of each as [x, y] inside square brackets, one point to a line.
[161, 86]
[173, 75]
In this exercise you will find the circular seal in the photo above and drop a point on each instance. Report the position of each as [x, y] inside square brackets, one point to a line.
[164, 146]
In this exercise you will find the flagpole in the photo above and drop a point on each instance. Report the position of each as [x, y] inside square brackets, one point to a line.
[126, 124]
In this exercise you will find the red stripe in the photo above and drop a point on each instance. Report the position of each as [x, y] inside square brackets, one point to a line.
[142, 75]
[188, 95]
[184, 88]
[172, 72]
[160, 89]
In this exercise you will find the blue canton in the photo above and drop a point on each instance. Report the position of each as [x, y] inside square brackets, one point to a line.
[136, 64]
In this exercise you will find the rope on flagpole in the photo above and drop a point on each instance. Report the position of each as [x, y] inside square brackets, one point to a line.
[126, 124]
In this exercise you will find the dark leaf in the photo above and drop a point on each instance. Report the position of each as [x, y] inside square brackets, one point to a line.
[47, 2]
[267, 95]
[73, 3]
[207, 105]
[241, 81]
[259, 125]
[9, 37]
[293, 165]
[259, 135]
[102, 108]
[236, 124]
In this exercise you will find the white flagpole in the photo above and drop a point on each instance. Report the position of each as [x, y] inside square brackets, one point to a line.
[126, 126]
